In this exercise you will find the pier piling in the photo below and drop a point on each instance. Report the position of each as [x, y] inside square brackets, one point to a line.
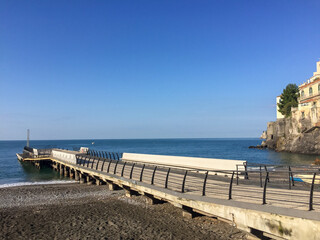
[76, 175]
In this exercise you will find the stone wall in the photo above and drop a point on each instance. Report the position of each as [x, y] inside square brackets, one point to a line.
[291, 135]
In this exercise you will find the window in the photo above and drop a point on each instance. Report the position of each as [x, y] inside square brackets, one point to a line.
[302, 93]
[319, 88]
[302, 115]
[310, 91]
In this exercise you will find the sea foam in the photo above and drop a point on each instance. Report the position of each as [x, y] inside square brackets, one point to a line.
[18, 184]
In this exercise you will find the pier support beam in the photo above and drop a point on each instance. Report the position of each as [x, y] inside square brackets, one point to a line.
[65, 172]
[98, 181]
[71, 173]
[150, 199]
[76, 175]
[112, 186]
[37, 164]
[54, 166]
[89, 180]
[61, 170]
[81, 177]
[188, 212]
[129, 192]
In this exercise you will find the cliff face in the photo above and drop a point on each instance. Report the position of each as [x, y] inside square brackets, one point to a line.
[290, 135]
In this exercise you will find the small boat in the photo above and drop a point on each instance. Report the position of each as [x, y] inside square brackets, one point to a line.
[92, 143]
[306, 178]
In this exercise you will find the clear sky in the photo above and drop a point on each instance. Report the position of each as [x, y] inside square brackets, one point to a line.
[150, 69]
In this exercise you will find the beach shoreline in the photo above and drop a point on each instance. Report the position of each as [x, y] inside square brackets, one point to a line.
[74, 211]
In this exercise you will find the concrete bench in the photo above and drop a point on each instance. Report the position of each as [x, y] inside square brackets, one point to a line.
[186, 162]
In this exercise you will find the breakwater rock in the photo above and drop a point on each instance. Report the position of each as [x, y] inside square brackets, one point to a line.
[294, 136]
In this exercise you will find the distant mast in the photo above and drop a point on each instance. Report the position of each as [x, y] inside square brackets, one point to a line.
[28, 134]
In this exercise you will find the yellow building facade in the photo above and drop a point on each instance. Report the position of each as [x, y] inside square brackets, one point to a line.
[308, 109]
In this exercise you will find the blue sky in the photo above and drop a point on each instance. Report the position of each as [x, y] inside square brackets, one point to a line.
[150, 69]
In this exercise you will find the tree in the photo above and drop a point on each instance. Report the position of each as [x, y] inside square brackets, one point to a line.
[288, 99]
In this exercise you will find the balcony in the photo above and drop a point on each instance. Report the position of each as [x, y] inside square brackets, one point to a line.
[307, 96]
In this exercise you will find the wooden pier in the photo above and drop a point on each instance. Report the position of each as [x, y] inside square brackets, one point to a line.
[266, 201]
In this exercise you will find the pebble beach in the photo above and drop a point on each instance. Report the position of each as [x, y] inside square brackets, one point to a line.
[74, 211]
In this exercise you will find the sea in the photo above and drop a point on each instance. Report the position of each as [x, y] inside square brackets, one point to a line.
[15, 173]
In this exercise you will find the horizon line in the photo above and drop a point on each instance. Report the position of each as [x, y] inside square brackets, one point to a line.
[95, 139]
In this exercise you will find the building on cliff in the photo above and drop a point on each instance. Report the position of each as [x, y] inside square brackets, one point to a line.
[308, 109]
[299, 133]
[309, 100]
[279, 114]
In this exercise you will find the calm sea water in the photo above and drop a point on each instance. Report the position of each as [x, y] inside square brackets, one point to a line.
[14, 172]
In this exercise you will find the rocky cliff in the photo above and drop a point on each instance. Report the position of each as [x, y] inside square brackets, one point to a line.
[290, 135]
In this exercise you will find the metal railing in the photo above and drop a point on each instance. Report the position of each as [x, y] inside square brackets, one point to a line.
[103, 154]
[259, 184]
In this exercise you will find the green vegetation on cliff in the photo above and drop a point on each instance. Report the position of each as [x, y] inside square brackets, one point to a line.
[288, 99]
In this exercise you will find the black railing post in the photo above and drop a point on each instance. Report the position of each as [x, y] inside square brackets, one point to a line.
[311, 192]
[124, 165]
[204, 184]
[115, 167]
[104, 160]
[88, 162]
[98, 163]
[109, 166]
[265, 167]
[289, 173]
[184, 181]
[167, 178]
[92, 163]
[114, 156]
[230, 186]
[153, 174]
[109, 155]
[291, 176]
[260, 176]
[118, 158]
[265, 189]
[246, 171]
[132, 170]
[141, 174]
[237, 174]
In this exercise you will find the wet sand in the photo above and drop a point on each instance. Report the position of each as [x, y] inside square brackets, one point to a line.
[73, 211]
